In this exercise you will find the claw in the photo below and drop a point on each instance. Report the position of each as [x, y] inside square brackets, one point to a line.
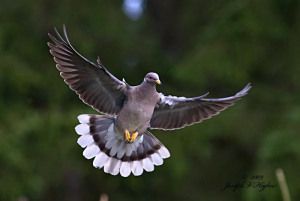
[130, 137]
[133, 136]
[127, 135]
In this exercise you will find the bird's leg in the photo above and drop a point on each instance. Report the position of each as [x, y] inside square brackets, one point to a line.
[133, 136]
[127, 136]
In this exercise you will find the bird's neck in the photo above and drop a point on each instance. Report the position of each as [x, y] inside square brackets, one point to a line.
[148, 87]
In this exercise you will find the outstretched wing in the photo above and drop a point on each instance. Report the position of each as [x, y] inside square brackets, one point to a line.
[177, 112]
[94, 84]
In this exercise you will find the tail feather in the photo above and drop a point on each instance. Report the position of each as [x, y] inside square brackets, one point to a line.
[110, 152]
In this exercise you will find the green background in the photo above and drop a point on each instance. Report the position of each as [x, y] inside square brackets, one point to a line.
[195, 46]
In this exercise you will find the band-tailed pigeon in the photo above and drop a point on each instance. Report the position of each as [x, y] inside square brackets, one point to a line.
[119, 139]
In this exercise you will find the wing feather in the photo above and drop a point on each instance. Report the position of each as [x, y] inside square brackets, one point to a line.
[93, 83]
[177, 112]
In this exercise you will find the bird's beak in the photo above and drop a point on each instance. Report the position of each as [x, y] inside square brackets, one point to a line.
[158, 82]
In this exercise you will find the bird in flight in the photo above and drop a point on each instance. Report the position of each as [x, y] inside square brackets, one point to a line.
[118, 138]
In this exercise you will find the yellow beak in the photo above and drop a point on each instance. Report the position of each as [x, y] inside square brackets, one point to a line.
[158, 82]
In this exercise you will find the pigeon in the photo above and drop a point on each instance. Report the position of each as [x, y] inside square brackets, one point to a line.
[118, 138]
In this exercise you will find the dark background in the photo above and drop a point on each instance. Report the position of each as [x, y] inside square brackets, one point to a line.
[196, 46]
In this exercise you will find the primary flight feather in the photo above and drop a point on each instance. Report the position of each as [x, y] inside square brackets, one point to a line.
[119, 139]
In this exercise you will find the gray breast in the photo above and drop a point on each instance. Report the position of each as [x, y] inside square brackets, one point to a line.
[138, 109]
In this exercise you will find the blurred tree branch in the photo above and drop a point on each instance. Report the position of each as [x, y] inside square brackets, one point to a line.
[283, 185]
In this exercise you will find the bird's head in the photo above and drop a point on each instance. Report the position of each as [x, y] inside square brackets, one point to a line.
[152, 78]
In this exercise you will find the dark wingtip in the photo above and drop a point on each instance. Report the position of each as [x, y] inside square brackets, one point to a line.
[245, 90]
[56, 38]
[99, 61]
[66, 34]
[204, 95]
[248, 87]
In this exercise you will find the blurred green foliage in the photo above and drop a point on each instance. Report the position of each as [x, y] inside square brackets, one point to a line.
[195, 46]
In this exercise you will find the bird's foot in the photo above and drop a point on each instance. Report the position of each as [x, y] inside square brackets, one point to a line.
[127, 136]
[130, 137]
[133, 136]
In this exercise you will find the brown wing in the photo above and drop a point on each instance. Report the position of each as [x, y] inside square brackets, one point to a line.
[177, 112]
[94, 84]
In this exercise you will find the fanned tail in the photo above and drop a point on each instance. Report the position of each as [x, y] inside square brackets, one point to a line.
[109, 150]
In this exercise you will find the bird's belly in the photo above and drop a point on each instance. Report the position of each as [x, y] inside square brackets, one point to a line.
[135, 118]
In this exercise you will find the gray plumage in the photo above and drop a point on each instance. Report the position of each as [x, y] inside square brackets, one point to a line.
[133, 108]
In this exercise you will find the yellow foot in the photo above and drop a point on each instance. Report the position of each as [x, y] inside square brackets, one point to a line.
[127, 135]
[130, 137]
[133, 136]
